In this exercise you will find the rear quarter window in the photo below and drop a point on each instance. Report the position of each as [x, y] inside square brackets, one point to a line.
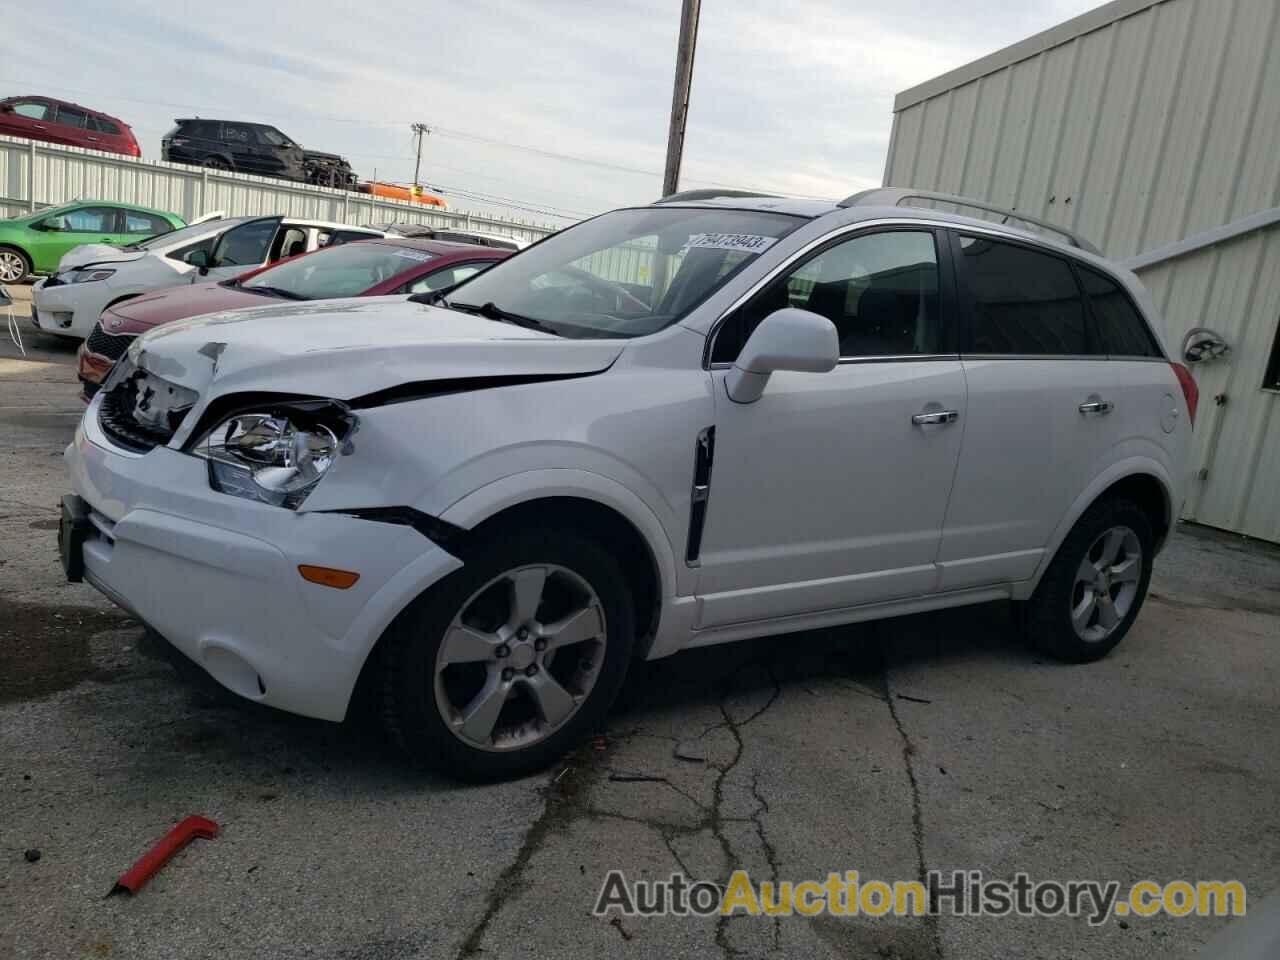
[1121, 330]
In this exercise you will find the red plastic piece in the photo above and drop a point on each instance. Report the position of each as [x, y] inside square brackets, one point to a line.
[1190, 390]
[189, 829]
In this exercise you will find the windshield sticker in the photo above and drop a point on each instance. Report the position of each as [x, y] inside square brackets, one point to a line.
[416, 255]
[746, 242]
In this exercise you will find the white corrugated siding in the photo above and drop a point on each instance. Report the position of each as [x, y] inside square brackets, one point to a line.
[1155, 126]
[69, 173]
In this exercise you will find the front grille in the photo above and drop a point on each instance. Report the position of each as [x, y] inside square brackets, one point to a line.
[110, 345]
[115, 416]
[140, 411]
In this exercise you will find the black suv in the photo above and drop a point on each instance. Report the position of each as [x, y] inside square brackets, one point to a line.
[257, 148]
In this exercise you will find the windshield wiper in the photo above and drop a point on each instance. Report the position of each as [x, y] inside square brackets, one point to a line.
[491, 311]
[277, 292]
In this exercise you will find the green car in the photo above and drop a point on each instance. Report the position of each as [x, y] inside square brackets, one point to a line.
[36, 242]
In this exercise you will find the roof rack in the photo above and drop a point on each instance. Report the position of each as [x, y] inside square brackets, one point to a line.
[691, 195]
[896, 197]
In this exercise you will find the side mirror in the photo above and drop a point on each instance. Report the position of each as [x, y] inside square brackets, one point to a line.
[787, 339]
[200, 260]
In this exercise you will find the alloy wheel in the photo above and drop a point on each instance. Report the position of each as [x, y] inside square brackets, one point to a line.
[520, 657]
[12, 267]
[1106, 584]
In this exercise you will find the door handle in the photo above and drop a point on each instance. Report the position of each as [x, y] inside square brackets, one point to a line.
[1096, 406]
[935, 416]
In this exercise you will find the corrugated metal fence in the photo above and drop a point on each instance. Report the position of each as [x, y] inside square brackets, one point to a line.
[35, 175]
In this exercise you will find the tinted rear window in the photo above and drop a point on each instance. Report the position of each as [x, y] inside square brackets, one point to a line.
[1121, 330]
[1024, 302]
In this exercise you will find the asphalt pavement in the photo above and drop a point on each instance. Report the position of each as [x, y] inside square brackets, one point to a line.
[929, 742]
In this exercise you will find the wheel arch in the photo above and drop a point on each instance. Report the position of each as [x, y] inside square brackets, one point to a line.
[22, 252]
[1142, 480]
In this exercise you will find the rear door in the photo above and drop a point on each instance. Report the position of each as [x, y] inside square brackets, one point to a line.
[1044, 414]
[241, 141]
[71, 126]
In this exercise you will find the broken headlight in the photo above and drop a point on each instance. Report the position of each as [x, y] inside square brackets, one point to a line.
[275, 456]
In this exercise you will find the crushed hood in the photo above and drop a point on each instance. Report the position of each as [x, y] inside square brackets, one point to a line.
[344, 349]
[88, 253]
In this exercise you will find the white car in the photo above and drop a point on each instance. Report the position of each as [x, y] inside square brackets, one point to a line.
[665, 427]
[93, 277]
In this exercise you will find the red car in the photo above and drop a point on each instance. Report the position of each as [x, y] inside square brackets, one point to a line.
[56, 121]
[365, 268]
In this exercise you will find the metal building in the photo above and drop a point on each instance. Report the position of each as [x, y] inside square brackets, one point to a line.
[1151, 127]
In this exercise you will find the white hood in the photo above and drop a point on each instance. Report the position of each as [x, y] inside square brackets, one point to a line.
[88, 253]
[344, 349]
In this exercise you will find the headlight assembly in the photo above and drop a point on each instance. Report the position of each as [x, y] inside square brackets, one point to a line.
[275, 455]
[88, 276]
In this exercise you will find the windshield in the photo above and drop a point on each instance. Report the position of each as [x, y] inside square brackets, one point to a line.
[342, 271]
[626, 273]
[187, 234]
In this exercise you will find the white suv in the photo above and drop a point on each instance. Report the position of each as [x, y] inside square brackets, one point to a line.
[670, 426]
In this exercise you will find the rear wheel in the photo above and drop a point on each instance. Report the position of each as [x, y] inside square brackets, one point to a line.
[216, 163]
[1092, 592]
[509, 662]
[15, 266]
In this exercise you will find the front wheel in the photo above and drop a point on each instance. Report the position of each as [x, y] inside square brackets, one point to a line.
[15, 266]
[1094, 587]
[508, 663]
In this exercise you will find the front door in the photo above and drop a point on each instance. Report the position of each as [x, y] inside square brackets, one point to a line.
[60, 232]
[830, 490]
[239, 250]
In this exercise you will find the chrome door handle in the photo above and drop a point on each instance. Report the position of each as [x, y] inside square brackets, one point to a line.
[1096, 406]
[935, 416]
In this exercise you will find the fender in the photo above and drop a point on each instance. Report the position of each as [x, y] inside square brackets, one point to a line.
[1130, 466]
[517, 488]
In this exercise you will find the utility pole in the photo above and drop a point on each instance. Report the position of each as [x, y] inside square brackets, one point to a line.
[421, 129]
[680, 96]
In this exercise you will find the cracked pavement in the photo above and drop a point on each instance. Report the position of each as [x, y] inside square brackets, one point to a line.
[930, 742]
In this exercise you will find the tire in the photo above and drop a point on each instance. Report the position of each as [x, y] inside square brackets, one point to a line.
[492, 668]
[15, 265]
[216, 163]
[1066, 618]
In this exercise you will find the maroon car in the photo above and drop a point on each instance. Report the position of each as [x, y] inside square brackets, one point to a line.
[56, 121]
[366, 268]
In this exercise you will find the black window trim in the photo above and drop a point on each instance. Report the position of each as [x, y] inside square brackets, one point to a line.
[964, 296]
[1160, 356]
[948, 313]
[1271, 375]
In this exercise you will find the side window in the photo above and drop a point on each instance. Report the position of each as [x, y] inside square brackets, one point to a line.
[106, 126]
[1120, 328]
[144, 224]
[71, 117]
[91, 220]
[879, 289]
[291, 242]
[246, 245]
[1024, 302]
[271, 137]
[235, 133]
[445, 278]
[32, 110]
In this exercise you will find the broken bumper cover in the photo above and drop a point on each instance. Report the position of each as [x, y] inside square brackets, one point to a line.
[218, 577]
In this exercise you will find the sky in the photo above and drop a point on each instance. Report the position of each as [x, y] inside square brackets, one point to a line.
[546, 111]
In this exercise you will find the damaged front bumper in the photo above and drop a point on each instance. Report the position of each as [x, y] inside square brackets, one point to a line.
[218, 576]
